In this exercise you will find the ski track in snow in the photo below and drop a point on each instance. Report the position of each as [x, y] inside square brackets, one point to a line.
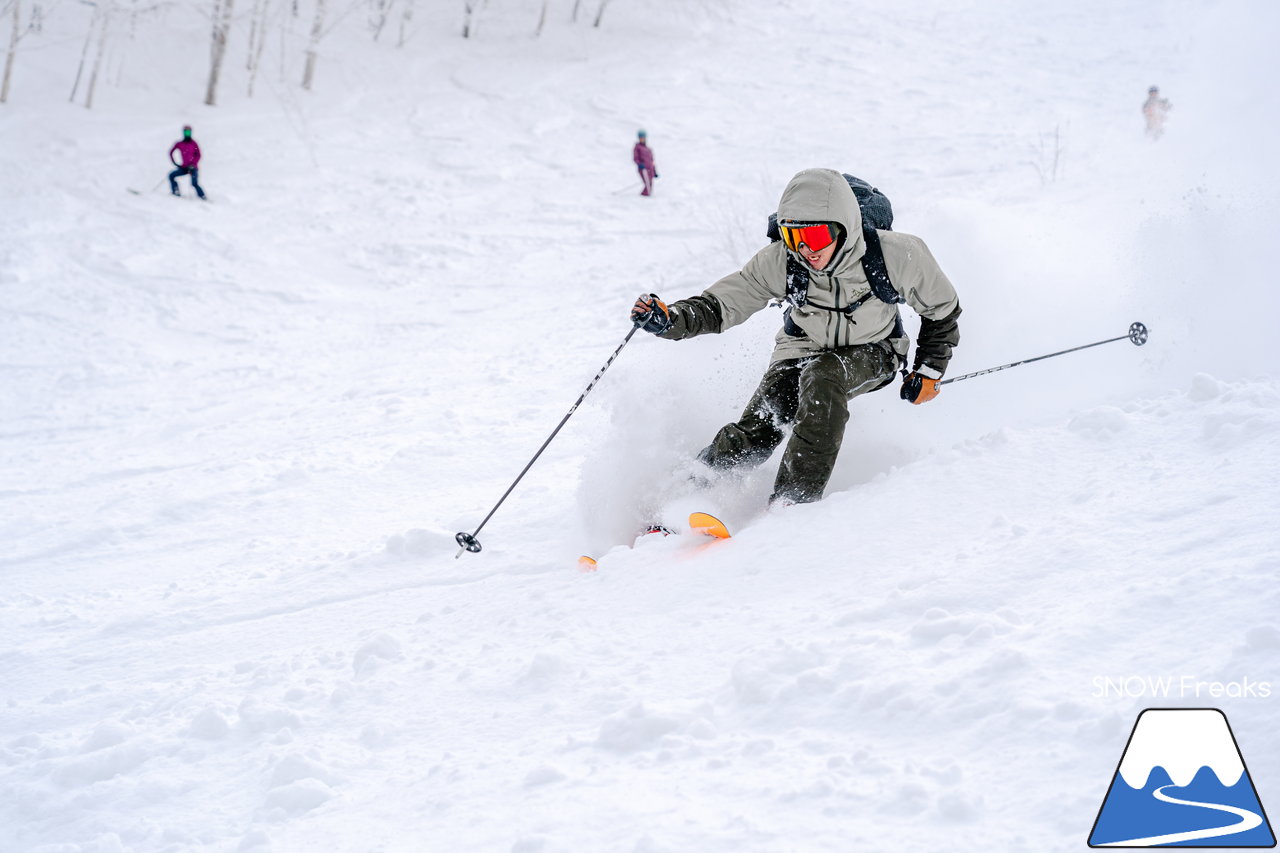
[238, 439]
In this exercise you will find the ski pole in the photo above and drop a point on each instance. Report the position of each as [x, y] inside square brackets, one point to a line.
[468, 541]
[1137, 334]
[153, 189]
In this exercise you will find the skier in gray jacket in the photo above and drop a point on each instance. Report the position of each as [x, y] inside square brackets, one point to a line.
[836, 342]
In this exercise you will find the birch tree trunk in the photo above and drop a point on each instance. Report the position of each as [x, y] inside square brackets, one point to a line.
[382, 9]
[467, 22]
[13, 49]
[122, 57]
[253, 35]
[255, 56]
[317, 30]
[221, 26]
[406, 18]
[542, 19]
[102, 48]
[213, 29]
[286, 39]
[84, 51]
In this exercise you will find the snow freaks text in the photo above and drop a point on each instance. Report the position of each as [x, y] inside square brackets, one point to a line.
[1182, 686]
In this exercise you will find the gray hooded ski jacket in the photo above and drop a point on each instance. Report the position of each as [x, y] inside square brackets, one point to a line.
[823, 195]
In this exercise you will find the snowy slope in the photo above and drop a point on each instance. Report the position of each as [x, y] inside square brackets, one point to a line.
[238, 438]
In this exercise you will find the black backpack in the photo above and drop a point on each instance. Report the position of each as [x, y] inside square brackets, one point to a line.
[877, 214]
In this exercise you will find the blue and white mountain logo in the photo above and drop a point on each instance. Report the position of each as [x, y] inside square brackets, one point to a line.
[1181, 782]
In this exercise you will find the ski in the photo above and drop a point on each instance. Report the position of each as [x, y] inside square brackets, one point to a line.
[701, 523]
[708, 525]
[205, 198]
[590, 564]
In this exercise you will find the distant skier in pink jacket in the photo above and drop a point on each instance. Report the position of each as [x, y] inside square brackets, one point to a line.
[189, 151]
[1155, 110]
[642, 154]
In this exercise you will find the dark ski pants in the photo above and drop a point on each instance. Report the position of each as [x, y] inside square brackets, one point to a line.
[178, 173]
[812, 394]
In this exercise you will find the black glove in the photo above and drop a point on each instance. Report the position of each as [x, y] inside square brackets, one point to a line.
[651, 314]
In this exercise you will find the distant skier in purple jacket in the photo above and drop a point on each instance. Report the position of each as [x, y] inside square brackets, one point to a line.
[189, 151]
[642, 154]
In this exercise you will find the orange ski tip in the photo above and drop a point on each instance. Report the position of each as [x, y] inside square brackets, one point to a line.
[709, 525]
[586, 564]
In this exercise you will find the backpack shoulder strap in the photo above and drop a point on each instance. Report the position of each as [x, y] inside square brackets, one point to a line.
[877, 272]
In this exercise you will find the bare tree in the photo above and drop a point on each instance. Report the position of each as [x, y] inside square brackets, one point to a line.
[84, 51]
[103, 29]
[1048, 155]
[253, 34]
[317, 30]
[218, 47]
[213, 29]
[256, 46]
[472, 7]
[122, 57]
[406, 18]
[13, 49]
[577, 4]
[286, 37]
[542, 19]
[600, 12]
[381, 9]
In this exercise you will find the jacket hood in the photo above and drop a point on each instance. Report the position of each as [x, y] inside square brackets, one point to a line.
[823, 195]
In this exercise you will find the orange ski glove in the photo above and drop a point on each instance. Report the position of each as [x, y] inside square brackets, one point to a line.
[919, 389]
[651, 314]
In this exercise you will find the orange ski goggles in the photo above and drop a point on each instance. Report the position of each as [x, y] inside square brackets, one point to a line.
[817, 236]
